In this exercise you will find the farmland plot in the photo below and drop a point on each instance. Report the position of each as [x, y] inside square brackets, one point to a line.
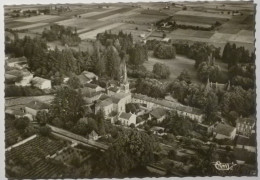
[29, 26]
[203, 14]
[106, 14]
[37, 18]
[93, 34]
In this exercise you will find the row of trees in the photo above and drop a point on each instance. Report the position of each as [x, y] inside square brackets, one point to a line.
[67, 35]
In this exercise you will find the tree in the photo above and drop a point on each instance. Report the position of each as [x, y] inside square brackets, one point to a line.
[74, 82]
[164, 51]
[138, 54]
[42, 117]
[172, 154]
[211, 106]
[45, 130]
[161, 70]
[184, 76]
[131, 149]
[132, 125]
[21, 123]
[67, 105]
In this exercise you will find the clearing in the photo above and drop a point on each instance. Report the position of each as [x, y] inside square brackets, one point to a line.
[176, 66]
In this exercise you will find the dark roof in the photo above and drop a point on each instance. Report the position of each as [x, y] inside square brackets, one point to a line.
[245, 141]
[114, 89]
[93, 86]
[117, 97]
[224, 129]
[37, 105]
[103, 97]
[169, 104]
[158, 112]
[106, 102]
[83, 79]
[125, 115]
[242, 154]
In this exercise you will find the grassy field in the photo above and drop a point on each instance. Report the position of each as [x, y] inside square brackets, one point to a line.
[106, 14]
[176, 66]
[93, 34]
[203, 14]
[30, 26]
[35, 19]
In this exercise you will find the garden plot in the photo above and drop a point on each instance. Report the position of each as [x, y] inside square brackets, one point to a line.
[93, 34]
[192, 33]
[29, 26]
[203, 14]
[221, 37]
[37, 18]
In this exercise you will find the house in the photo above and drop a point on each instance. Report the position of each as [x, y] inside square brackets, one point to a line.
[224, 131]
[90, 75]
[34, 106]
[94, 87]
[93, 135]
[191, 112]
[23, 77]
[245, 126]
[159, 114]
[41, 83]
[18, 63]
[89, 95]
[243, 142]
[127, 118]
[105, 105]
[83, 79]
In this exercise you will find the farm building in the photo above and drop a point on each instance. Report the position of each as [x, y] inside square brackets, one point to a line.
[41, 83]
[127, 118]
[224, 131]
[24, 77]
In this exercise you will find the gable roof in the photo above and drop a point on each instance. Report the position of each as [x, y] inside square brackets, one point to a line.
[105, 102]
[90, 85]
[39, 80]
[245, 141]
[118, 96]
[89, 75]
[158, 112]
[93, 133]
[37, 105]
[83, 79]
[126, 116]
[114, 89]
[224, 129]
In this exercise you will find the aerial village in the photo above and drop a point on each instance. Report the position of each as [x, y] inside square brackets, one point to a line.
[128, 102]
